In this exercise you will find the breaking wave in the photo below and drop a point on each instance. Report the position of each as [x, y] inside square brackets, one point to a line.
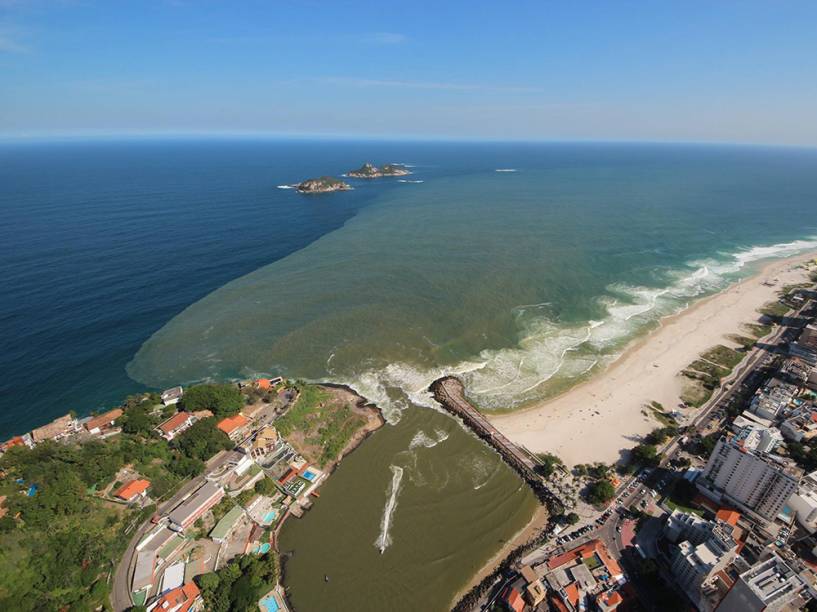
[384, 539]
[549, 352]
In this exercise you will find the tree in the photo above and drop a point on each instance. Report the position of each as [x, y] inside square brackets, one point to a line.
[265, 486]
[221, 400]
[572, 518]
[202, 440]
[645, 454]
[549, 463]
[600, 492]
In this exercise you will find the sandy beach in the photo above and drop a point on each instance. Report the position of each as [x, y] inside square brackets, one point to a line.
[597, 419]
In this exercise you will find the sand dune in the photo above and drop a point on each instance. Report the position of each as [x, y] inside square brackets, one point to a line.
[596, 420]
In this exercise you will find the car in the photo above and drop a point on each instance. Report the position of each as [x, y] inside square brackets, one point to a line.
[618, 528]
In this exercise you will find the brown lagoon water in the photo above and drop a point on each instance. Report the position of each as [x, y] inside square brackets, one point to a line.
[435, 499]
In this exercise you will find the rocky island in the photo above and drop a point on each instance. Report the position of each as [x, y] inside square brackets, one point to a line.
[323, 184]
[368, 170]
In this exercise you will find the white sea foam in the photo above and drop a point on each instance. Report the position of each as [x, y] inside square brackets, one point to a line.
[384, 539]
[505, 170]
[548, 349]
[416, 181]
[286, 186]
[421, 438]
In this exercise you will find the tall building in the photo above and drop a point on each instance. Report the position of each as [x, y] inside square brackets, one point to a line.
[756, 482]
[804, 503]
[703, 548]
[770, 585]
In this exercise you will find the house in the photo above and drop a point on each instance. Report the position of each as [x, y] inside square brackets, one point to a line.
[234, 426]
[586, 569]
[512, 598]
[267, 384]
[186, 598]
[191, 509]
[265, 442]
[225, 527]
[176, 425]
[132, 490]
[99, 424]
[55, 430]
[16, 441]
[172, 396]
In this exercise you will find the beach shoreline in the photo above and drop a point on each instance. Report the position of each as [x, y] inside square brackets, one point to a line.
[599, 418]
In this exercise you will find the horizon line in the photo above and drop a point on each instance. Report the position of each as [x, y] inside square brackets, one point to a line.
[125, 135]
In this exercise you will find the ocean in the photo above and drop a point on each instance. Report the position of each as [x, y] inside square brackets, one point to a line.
[525, 268]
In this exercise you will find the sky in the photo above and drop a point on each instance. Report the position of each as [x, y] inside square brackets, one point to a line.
[686, 70]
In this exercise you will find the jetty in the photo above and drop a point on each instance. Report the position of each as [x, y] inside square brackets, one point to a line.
[450, 394]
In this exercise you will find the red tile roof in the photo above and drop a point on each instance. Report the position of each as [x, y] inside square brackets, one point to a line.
[728, 516]
[514, 599]
[263, 383]
[572, 592]
[583, 552]
[174, 422]
[132, 489]
[103, 419]
[230, 424]
[180, 599]
[15, 441]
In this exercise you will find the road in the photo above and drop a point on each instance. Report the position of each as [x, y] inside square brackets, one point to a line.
[120, 588]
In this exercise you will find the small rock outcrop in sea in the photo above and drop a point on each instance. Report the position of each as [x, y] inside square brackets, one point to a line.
[368, 170]
[323, 184]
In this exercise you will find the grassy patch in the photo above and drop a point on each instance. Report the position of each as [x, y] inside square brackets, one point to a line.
[774, 309]
[695, 394]
[744, 342]
[675, 506]
[757, 330]
[307, 408]
[723, 356]
[708, 368]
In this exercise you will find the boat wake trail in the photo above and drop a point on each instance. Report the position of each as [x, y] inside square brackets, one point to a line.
[384, 539]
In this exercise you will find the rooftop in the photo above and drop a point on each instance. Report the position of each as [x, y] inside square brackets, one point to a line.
[227, 522]
[132, 489]
[174, 422]
[231, 424]
[103, 419]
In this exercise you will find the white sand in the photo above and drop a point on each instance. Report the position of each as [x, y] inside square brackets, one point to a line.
[596, 420]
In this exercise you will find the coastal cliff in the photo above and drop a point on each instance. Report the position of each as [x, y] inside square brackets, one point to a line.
[368, 171]
[324, 184]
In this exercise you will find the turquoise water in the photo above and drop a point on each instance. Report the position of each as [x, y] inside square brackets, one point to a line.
[270, 516]
[270, 604]
[264, 548]
[310, 476]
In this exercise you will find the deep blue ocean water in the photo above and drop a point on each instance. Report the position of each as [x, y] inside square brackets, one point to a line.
[103, 243]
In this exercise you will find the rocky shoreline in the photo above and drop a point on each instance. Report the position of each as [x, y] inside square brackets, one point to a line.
[370, 171]
[323, 184]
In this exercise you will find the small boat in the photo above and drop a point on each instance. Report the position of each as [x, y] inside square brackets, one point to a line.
[325, 578]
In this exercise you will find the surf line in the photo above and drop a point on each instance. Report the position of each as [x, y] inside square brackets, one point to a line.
[384, 539]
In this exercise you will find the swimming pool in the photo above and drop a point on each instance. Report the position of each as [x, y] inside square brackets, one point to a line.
[270, 604]
[263, 549]
[270, 516]
[309, 475]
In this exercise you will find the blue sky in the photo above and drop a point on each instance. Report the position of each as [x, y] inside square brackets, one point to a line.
[683, 70]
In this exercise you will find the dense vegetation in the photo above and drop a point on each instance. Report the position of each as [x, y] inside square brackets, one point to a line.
[200, 442]
[58, 545]
[57, 552]
[600, 492]
[239, 585]
[221, 400]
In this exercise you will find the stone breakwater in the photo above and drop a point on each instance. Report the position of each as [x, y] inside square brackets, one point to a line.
[449, 392]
